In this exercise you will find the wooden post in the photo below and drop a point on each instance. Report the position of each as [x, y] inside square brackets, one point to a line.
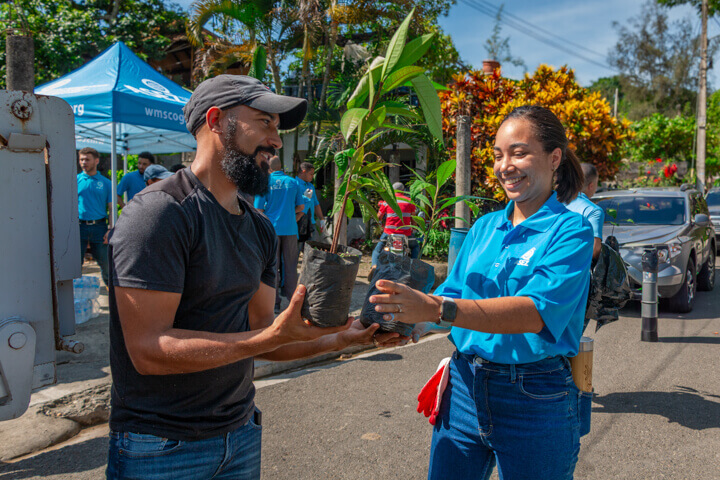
[20, 59]
[463, 170]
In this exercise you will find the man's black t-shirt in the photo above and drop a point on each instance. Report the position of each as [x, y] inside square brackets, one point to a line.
[175, 237]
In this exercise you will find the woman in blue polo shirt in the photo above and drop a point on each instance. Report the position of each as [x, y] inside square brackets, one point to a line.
[515, 299]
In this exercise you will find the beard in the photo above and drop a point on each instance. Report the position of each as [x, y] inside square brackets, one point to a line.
[242, 169]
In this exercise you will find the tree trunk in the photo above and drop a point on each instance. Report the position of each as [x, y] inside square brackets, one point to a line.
[328, 55]
[274, 68]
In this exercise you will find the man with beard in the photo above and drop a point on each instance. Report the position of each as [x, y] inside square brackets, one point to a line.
[192, 295]
[282, 204]
[134, 182]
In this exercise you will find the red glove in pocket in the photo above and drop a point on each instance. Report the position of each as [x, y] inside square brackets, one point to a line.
[430, 396]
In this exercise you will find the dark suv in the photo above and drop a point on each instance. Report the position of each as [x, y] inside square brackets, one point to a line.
[677, 222]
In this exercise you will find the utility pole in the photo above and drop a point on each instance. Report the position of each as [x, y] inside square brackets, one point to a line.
[702, 102]
[616, 101]
[463, 170]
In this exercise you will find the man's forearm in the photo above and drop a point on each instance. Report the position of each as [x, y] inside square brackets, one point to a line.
[186, 351]
[328, 343]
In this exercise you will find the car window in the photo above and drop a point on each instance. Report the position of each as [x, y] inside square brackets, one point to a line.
[713, 199]
[643, 210]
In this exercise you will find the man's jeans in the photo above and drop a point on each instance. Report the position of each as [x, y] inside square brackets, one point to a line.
[414, 248]
[235, 455]
[94, 234]
[522, 417]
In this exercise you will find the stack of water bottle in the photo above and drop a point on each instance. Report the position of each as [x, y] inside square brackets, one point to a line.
[86, 290]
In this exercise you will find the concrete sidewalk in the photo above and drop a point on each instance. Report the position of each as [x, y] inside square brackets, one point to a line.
[81, 396]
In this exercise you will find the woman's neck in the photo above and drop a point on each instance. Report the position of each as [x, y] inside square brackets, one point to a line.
[524, 210]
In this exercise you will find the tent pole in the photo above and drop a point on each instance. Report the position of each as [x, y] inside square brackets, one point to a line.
[125, 162]
[113, 175]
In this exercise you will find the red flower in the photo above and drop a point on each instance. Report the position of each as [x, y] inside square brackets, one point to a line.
[648, 172]
[673, 168]
[656, 180]
[658, 160]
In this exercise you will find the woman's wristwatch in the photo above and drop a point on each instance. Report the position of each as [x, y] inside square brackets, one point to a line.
[448, 312]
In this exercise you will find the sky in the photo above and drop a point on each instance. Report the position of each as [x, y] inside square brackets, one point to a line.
[588, 24]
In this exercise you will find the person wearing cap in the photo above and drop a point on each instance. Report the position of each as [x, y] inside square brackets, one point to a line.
[312, 204]
[192, 296]
[282, 204]
[396, 225]
[155, 173]
[132, 182]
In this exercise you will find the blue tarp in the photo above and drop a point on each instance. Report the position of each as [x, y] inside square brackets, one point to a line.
[118, 87]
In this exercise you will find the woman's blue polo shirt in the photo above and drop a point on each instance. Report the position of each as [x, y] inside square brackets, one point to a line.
[546, 258]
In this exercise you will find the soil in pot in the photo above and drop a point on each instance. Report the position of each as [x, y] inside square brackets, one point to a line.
[400, 269]
[329, 279]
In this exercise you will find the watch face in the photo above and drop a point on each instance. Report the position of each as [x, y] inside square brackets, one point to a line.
[449, 310]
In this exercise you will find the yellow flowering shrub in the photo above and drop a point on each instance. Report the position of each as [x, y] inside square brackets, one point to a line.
[594, 134]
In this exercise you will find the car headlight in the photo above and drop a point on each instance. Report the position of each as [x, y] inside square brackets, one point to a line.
[668, 252]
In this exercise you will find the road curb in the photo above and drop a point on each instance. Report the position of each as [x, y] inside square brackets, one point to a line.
[48, 423]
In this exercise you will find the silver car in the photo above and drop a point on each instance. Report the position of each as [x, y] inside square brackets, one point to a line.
[713, 202]
[674, 220]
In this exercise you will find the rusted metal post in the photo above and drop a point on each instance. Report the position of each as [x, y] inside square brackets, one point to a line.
[20, 59]
[462, 172]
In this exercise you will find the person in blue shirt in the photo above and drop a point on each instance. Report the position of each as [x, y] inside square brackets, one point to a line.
[312, 204]
[94, 203]
[585, 207]
[283, 205]
[133, 182]
[515, 301]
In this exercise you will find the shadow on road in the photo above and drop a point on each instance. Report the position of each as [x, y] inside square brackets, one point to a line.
[708, 340]
[383, 357]
[79, 457]
[687, 407]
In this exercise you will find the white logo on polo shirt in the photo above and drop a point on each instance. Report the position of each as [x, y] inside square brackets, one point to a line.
[526, 257]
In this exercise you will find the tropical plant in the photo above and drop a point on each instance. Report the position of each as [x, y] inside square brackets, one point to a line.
[594, 134]
[429, 195]
[370, 110]
[69, 33]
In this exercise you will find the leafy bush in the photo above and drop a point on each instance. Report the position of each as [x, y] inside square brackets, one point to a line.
[594, 133]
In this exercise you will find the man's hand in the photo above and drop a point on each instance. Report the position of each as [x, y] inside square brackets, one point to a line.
[105, 237]
[290, 327]
[357, 334]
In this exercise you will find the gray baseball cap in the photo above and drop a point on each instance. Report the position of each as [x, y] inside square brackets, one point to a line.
[225, 91]
[156, 171]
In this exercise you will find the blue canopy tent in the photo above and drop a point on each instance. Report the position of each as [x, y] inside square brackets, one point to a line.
[122, 105]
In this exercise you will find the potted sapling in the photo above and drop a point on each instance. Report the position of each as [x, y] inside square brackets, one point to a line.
[374, 109]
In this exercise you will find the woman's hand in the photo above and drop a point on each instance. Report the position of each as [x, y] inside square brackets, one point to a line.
[404, 304]
[357, 334]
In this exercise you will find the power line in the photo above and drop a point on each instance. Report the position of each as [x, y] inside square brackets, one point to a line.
[540, 29]
[523, 28]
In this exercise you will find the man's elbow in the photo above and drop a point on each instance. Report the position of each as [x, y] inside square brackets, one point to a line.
[145, 359]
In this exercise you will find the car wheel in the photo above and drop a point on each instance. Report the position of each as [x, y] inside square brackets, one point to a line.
[683, 301]
[706, 278]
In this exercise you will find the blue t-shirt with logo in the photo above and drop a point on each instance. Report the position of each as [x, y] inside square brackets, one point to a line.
[311, 201]
[280, 202]
[94, 194]
[546, 258]
[132, 183]
[594, 214]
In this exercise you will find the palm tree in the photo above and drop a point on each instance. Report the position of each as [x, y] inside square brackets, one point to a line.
[264, 24]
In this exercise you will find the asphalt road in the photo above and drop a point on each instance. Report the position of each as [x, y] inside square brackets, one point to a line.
[656, 413]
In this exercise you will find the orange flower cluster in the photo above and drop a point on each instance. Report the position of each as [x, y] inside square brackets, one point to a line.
[594, 133]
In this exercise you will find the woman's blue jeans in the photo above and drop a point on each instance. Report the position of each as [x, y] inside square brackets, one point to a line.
[524, 418]
[235, 455]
